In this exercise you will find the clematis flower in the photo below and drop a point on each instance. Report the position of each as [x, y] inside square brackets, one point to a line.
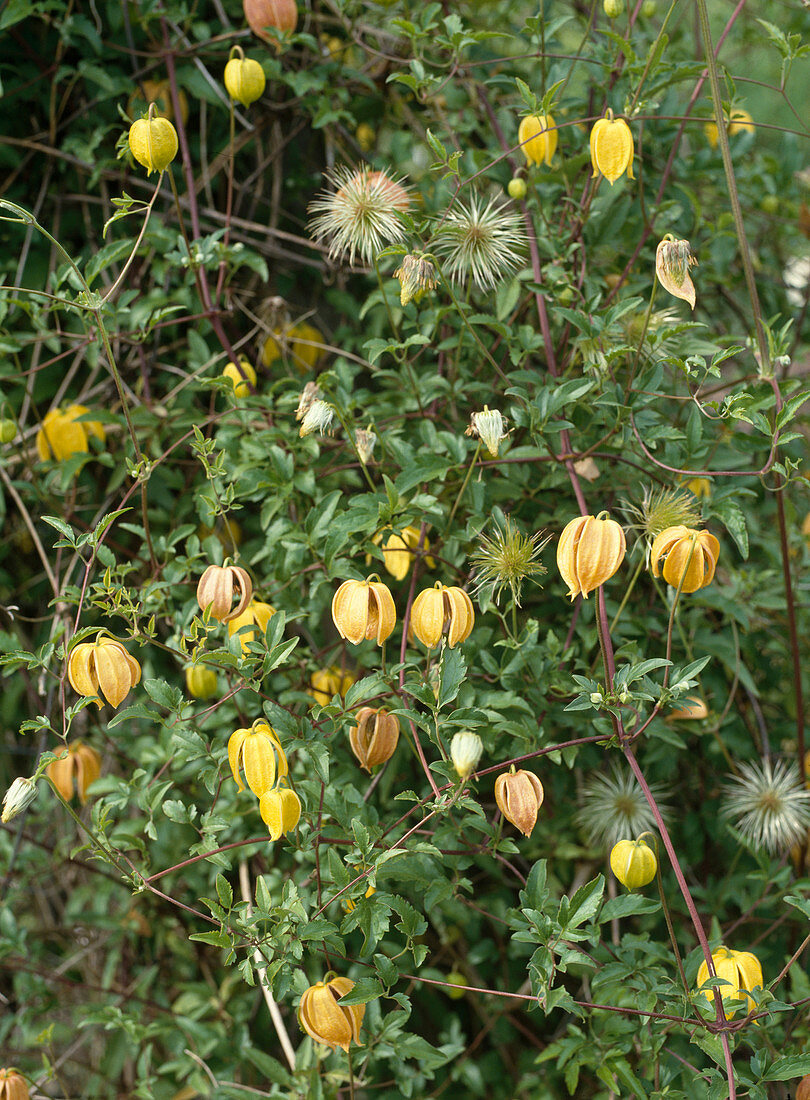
[76, 768]
[360, 213]
[374, 739]
[442, 610]
[328, 682]
[17, 798]
[633, 863]
[364, 609]
[215, 591]
[611, 148]
[537, 135]
[256, 614]
[465, 752]
[62, 433]
[257, 751]
[672, 262]
[102, 665]
[281, 811]
[519, 795]
[686, 557]
[324, 1019]
[590, 550]
[742, 971]
[13, 1085]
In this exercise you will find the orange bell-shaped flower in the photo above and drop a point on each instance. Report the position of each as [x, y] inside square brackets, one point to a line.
[519, 795]
[78, 765]
[215, 591]
[687, 558]
[442, 610]
[324, 1018]
[374, 738]
[364, 609]
[590, 550]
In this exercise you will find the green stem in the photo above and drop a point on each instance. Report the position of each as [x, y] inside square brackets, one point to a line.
[627, 592]
[464, 484]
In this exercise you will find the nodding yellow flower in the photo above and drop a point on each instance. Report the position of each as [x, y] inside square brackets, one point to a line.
[76, 768]
[324, 1019]
[633, 863]
[62, 433]
[13, 1085]
[280, 809]
[519, 795]
[256, 614]
[153, 142]
[364, 609]
[743, 972]
[399, 551]
[328, 682]
[102, 665]
[442, 610]
[302, 343]
[590, 550]
[374, 738]
[201, 682]
[612, 148]
[244, 78]
[349, 904]
[700, 487]
[686, 557]
[215, 591]
[740, 122]
[241, 379]
[257, 751]
[537, 135]
[417, 275]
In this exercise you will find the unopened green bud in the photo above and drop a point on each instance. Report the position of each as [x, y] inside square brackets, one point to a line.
[18, 797]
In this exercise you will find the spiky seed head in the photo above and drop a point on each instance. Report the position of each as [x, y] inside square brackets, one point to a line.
[359, 214]
[482, 242]
[506, 559]
[768, 805]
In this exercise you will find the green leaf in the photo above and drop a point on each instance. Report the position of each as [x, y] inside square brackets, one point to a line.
[785, 1069]
[585, 902]
[365, 990]
[164, 694]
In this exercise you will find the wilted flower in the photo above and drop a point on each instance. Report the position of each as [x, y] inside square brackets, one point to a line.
[485, 243]
[365, 440]
[360, 215]
[327, 682]
[740, 122]
[417, 275]
[201, 682]
[17, 798]
[242, 377]
[590, 550]
[323, 1017]
[673, 259]
[465, 752]
[519, 795]
[280, 810]
[76, 768]
[537, 135]
[105, 665]
[633, 863]
[488, 426]
[256, 614]
[62, 433]
[442, 610]
[768, 805]
[364, 609]
[742, 971]
[318, 418]
[587, 469]
[12, 1083]
[614, 807]
[215, 591]
[612, 148]
[692, 709]
[374, 738]
[689, 557]
[256, 752]
[506, 559]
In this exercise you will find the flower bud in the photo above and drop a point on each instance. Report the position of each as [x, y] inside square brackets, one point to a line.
[280, 809]
[215, 591]
[537, 136]
[442, 610]
[201, 682]
[611, 148]
[633, 863]
[8, 430]
[516, 188]
[17, 798]
[325, 1020]
[13, 1085]
[242, 378]
[589, 552]
[686, 557]
[465, 752]
[78, 765]
[613, 8]
[417, 275]
[740, 122]
[102, 665]
[597, 698]
[519, 795]
[374, 738]
[153, 142]
[244, 79]
[488, 426]
[364, 609]
[365, 442]
[257, 751]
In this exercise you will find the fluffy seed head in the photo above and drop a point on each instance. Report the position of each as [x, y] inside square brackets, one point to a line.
[481, 242]
[768, 805]
[359, 214]
[614, 808]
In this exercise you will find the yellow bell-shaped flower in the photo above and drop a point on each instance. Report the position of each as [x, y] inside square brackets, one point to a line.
[364, 609]
[62, 433]
[153, 142]
[244, 78]
[241, 379]
[537, 135]
[257, 751]
[374, 738]
[103, 665]
[201, 682]
[256, 614]
[687, 558]
[328, 682]
[281, 811]
[633, 863]
[442, 610]
[612, 148]
[215, 591]
[741, 969]
[75, 769]
[590, 550]
[323, 1017]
